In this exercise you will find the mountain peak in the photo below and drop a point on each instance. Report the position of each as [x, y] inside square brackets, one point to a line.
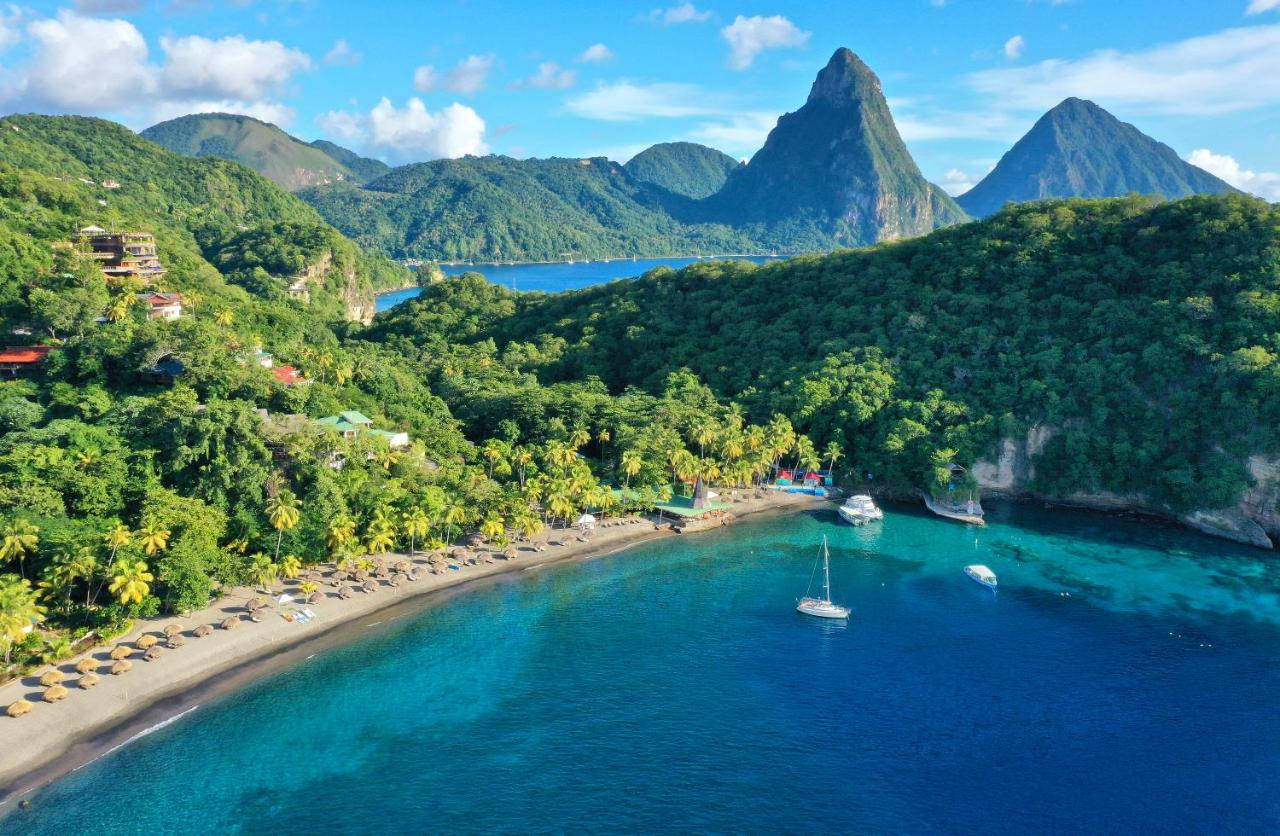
[845, 78]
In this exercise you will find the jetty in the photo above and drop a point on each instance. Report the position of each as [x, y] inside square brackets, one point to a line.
[966, 512]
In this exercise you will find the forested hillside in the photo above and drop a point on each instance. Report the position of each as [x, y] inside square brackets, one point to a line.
[684, 168]
[1143, 335]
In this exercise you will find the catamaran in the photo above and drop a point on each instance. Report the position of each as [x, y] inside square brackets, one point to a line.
[859, 509]
[822, 607]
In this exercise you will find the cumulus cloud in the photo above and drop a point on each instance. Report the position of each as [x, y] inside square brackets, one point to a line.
[10, 23]
[233, 67]
[1230, 70]
[626, 101]
[683, 13]
[342, 55]
[412, 132]
[468, 76]
[595, 52]
[84, 63]
[738, 133]
[1013, 47]
[750, 36]
[550, 76]
[273, 112]
[1260, 6]
[1265, 184]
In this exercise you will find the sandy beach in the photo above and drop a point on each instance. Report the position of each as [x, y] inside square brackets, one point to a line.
[55, 738]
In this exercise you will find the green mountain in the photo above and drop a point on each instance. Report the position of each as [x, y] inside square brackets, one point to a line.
[836, 170]
[683, 168]
[1123, 347]
[498, 208]
[286, 161]
[1078, 149]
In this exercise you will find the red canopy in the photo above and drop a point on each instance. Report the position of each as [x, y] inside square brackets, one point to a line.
[784, 474]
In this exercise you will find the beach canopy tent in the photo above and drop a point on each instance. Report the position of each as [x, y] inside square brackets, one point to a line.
[586, 521]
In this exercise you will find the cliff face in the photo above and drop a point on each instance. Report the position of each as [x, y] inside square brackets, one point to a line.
[1254, 520]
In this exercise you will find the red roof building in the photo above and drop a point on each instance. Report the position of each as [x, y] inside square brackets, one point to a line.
[288, 375]
[15, 359]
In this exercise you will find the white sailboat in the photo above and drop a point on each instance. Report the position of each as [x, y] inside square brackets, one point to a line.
[823, 607]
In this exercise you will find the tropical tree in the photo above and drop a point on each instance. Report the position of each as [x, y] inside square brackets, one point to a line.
[263, 571]
[492, 453]
[18, 611]
[832, 454]
[528, 523]
[340, 533]
[20, 540]
[579, 437]
[153, 538]
[283, 512]
[83, 566]
[522, 457]
[120, 308]
[380, 535]
[131, 581]
[493, 527]
[308, 587]
[291, 566]
[416, 524]
[224, 318]
[454, 514]
[631, 463]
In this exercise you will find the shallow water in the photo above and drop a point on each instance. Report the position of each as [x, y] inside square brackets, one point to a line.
[1124, 678]
[552, 278]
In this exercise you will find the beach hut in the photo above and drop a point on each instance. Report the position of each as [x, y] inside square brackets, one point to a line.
[122, 666]
[171, 630]
[55, 693]
[87, 681]
[146, 642]
[18, 707]
[202, 631]
[785, 477]
[121, 651]
[812, 479]
[152, 654]
[175, 641]
[86, 665]
[230, 622]
[51, 678]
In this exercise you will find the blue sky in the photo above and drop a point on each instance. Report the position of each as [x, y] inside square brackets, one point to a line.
[408, 81]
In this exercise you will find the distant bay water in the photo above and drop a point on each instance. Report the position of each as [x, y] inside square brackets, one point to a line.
[555, 277]
[1124, 679]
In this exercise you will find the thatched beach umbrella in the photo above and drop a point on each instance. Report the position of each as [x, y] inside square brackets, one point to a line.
[344, 592]
[175, 641]
[121, 667]
[87, 681]
[475, 539]
[152, 654]
[341, 575]
[511, 553]
[86, 665]
[202, 631]
[55, 693]
[146, 642]
[315, 598]
[369, 586]
[230, 622]
[50, 678]
[121, 651]
[399, 578]
[18, 707]
[360, 577]
[403, 566]
[458, 553]
[171, 630]
[254, 604]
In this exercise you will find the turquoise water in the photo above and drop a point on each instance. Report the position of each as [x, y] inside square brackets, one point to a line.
[552, 278]
[1125, 678]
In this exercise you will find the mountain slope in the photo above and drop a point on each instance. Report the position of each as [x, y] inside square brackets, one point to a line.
[286, 161]
[499, 208]
[837, 169]
[1078, 149]
[683, 168]
[364, 168]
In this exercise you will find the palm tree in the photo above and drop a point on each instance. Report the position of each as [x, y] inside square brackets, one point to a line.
[18, 611]
[387, 457]
[381, 533]
[152, 538]
[492, 453]
[454, 514]
[130, 581]
[308, 587]
[416, 524]
[631, 463]
[832, 454]
[579, 437]
[704, 433]
[83, 566]
[120, 307]
[224, 318]
[522, 457]
[732, 446]
[20, 540]
[263, 571]
[342, 530]
[528, 523]
[291, 566]
[493, 527]
[283, 513]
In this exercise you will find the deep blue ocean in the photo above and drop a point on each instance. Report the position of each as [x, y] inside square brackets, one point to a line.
[1126, 678]
[552, 278]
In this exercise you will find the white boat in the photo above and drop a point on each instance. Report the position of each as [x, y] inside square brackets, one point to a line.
[822, 607]
[982, 575]
[859, 509]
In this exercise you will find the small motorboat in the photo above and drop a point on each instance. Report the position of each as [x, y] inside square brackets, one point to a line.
[982, 575]
[859, 509]
[823, 607]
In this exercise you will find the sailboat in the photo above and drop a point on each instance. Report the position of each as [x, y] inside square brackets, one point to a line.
[823, 607]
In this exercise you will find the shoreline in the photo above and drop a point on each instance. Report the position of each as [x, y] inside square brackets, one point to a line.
[59, 738]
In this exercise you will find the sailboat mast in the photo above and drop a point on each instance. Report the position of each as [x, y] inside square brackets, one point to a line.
[826, 571]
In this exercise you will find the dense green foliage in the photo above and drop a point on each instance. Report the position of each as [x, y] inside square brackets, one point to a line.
[286, 161]
[1144, 335]
[684, 168]
[1078, 149]
[498, 208]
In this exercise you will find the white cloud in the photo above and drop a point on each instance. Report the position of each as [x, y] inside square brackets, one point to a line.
[1230, 70]
[87, 64]
[595, 52]
[10, 22]
[550, 76]
[108, 7]
[683, 13]
[1260, 6]
[741, 133]
[749, 36]
[1013, 47]
[921, 122]
[412, 132]
[230, 67]
[625, 101]
[342, 55]
[1265, 184]
[274, 112]
[468, 76]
